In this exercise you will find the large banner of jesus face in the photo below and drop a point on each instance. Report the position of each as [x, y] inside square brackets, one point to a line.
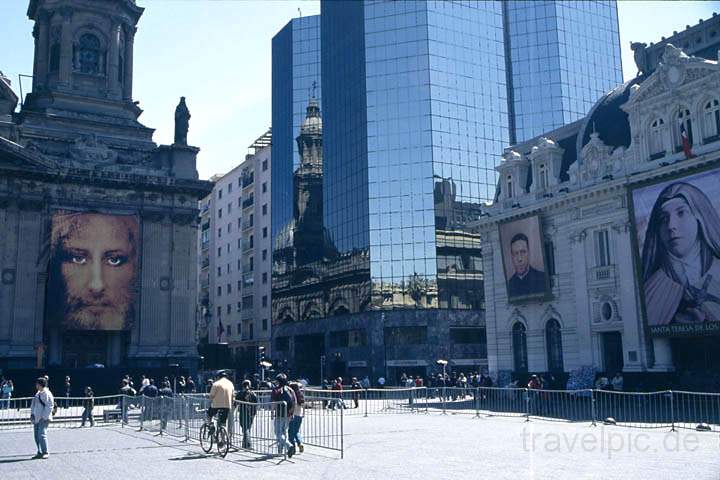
[93, 270]
[678, 238]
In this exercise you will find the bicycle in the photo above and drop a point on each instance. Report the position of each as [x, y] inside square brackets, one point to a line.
[212, 431]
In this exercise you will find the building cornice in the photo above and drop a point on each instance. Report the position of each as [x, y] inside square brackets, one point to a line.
[609, 188]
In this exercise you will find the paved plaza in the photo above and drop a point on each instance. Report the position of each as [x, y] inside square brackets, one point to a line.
[384, 446]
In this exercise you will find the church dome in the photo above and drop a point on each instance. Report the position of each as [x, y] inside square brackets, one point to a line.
[608, 119]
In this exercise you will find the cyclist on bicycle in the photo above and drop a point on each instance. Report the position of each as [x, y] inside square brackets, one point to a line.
[221, 395]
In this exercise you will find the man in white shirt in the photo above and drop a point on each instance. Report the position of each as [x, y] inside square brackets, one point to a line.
[40, 415]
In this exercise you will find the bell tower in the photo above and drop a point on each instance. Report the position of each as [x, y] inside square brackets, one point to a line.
[308, 188]
[83, 64]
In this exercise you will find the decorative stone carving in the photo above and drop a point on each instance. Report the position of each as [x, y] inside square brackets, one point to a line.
[165, 284]
[8, 276]
[87, 149]
[577, 237]
[596, 162]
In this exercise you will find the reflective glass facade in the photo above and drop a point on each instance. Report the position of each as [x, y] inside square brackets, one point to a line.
[415, 113]
[564, 56]
[419, 101]
[295, 77]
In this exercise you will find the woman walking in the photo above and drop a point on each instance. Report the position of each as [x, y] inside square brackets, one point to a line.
[296, 421]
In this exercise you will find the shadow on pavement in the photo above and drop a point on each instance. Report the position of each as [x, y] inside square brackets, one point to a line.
[16, 459]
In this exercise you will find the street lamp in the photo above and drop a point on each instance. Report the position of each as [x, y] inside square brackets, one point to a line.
[263, 366]
[443, 364]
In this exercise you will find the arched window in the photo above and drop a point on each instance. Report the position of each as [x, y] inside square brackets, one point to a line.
[519, 341]
[553, 343]
[711, 120]
[89, 54]
[655, 140]
[543, 177]
[509, 187]
[683, 120]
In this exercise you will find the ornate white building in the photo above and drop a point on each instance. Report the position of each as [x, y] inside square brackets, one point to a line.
[579, 180]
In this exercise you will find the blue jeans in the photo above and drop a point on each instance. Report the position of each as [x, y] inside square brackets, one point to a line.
[40, 431]
[281, 433]
[294, 430]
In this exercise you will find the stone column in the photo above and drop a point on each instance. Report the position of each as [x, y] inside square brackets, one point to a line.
[23, 332]
[66, 49]
[8, 269]
[633, 325]
[153, 312]
[182, 283]
[129, 42]
[41, 32]
[582, 309]
[113, 59]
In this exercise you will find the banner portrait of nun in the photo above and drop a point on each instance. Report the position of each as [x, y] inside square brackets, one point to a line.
[680, 261]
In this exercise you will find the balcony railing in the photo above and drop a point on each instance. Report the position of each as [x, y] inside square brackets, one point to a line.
[248, 180]
[248, 202]
[603, 274]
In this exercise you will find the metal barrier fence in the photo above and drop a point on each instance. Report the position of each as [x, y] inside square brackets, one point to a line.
[665, 409]
[368, 401]
[261, 427]
[69, 412]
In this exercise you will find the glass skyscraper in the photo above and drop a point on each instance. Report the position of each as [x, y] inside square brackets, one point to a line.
[295, 78]
[416, 100]
[562, 56]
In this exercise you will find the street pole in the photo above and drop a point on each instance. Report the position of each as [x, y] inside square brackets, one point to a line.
[322, 368]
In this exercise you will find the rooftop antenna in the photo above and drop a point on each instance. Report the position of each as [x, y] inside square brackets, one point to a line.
[299, 12]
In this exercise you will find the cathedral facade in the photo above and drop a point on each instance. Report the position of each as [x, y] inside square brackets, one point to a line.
[98, 222]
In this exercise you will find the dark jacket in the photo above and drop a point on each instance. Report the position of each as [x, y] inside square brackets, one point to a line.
[150, 391]
[89, 403]
[532, 283]
[247, 409]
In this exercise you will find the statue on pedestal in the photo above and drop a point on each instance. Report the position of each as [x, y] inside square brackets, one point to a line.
[640, 57]
[182, 122]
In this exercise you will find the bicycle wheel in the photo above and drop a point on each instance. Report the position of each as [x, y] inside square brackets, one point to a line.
[206, 438]
[223, 442]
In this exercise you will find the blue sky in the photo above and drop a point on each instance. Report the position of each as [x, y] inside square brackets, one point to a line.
[217, 54]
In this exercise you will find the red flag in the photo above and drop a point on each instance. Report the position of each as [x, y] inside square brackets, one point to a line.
[687, 146]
